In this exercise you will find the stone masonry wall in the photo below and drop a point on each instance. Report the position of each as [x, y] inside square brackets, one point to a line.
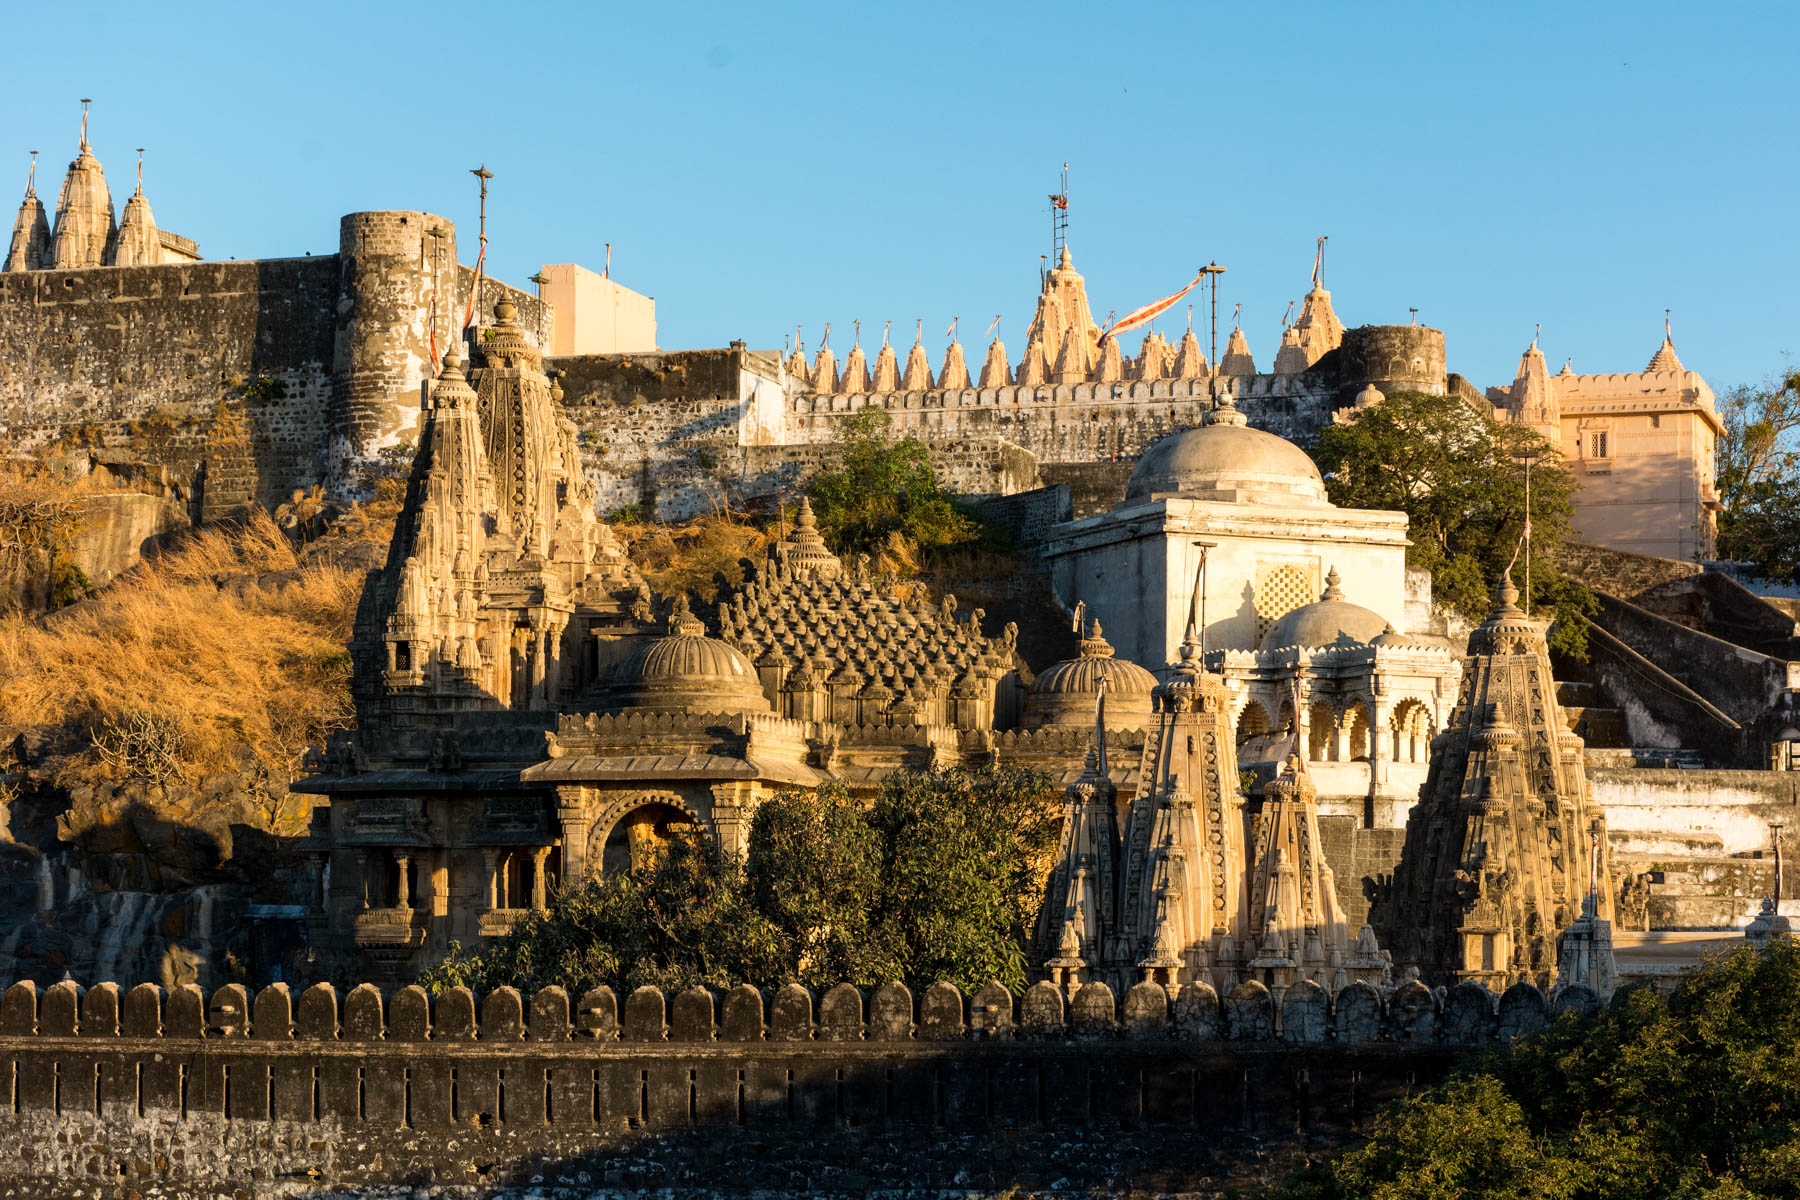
[166, 1094]
[138, 360]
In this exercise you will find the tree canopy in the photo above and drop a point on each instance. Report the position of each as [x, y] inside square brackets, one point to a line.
[1694, 1096]
[885, 486]
[1459, 476]
[1759, 476]
[938, 878]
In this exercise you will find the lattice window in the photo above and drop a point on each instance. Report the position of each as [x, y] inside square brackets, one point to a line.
[1280, 589]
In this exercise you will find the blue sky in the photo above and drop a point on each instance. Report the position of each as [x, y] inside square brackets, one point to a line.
[754, 166]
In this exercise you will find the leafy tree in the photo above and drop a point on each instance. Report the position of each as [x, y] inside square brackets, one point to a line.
[681, 920]
[1759, 476]
[885, 486]
[1459, 476]
[1695, 1096]
[938, 878]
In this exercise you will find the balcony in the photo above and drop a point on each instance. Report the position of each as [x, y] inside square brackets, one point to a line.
[390, 928]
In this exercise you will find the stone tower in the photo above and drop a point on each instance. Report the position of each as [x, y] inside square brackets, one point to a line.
[389, 266]
[29, 249]
[84, 213]
[1505, 844]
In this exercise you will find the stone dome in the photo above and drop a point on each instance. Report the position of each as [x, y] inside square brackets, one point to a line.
[690, 672]
[1225, 459]
[1064, 694]
[1331, 621]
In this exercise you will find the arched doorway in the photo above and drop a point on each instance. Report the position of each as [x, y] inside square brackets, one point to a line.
[637, 839]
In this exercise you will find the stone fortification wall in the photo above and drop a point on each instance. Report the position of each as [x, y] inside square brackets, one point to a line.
[138, 360]
[241, 380]
[1623, 573]
[169, 1094]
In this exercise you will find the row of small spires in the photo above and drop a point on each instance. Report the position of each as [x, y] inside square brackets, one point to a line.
[1157, 358]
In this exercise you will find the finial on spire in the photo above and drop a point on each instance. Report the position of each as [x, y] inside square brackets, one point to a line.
[857, 339]
[1235, 312]
[1537, 331]
[31, 177]
[1319, 264]
[1667, 335]
[84, 118]
[1332, 590]
[826, 340]
[1287, 317]
[992, 325]
[1190, 318]
[885, 326]
[919, 332]
[951, 332]
[140, 151]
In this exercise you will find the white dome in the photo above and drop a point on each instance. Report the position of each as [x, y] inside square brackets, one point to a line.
[1227, 456]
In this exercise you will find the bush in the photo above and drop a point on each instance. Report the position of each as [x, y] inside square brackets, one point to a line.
[1695, 1096]
[884, 487]
[938, 879]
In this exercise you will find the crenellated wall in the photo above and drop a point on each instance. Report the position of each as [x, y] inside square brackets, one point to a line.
[170, 1094]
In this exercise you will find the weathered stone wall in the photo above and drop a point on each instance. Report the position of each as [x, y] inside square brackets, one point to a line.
[167, 1094]
[137, 359]
[242, 380]
[1619, 572]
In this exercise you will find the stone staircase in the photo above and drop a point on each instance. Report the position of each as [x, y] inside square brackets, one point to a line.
[1600, 725]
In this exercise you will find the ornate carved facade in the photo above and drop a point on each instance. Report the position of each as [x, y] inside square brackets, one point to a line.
[1505, 845]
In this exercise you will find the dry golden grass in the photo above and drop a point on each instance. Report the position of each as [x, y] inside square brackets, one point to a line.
[235, 673]
[686, 556]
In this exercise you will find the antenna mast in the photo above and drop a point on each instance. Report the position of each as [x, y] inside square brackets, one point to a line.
[1059, 219]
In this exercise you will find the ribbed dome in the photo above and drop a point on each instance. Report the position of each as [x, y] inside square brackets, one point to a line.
[1227, 456]
[689, 658]
[689, 671]
[1064, 694]
[1331, 621]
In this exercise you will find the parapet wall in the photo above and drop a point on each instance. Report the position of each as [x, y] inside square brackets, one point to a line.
[149, 1089]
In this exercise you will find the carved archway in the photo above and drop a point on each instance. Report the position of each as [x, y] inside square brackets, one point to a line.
[629, 829]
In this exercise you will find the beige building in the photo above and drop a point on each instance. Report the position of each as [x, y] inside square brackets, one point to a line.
[594, 315]
[1640, 445]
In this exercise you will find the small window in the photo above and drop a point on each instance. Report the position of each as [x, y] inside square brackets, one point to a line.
[402, 656]
[1597, 444]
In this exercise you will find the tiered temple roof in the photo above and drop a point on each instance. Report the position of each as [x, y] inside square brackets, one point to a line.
[837, 644]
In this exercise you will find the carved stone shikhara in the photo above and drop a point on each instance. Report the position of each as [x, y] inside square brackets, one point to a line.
[1505, 847]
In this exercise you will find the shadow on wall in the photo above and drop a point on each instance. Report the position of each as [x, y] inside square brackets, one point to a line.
[869, 1091]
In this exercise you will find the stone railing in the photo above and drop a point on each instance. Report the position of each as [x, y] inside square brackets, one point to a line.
[277, 1092]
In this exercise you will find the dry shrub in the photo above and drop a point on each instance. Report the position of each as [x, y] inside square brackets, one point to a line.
[686, 556]
[220, 656]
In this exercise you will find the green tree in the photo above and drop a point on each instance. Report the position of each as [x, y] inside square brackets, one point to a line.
[1759, 476]
[883, 486]
[1459, 476]
[1694, 1096]
[937, 878]
[684, 919]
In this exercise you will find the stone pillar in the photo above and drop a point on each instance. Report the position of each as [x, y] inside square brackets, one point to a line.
[365, 869]
[571, 813]
[403, 888]
[1380, 746]
[490, 859]
[540, 892]
[540, 668]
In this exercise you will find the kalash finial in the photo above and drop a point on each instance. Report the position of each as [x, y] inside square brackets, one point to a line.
[1507, 594]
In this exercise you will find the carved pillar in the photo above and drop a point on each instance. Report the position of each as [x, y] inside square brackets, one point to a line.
[571, 812]
[403, 884]
[490, 861]
[365, 869]
[1380, 746]
[540, 892]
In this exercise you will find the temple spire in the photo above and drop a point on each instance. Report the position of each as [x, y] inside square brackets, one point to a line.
[1665, 359]
[29, 249]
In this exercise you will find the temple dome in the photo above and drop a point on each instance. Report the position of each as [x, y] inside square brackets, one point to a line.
[1064, 694]
[1227, 456]
[690, 672]
[1331, 621]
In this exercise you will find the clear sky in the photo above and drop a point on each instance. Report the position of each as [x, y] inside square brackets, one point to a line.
[757, 166]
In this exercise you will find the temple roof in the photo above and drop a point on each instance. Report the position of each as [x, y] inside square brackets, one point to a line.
[84, 212]
[1329, 621]
[1227, 456]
